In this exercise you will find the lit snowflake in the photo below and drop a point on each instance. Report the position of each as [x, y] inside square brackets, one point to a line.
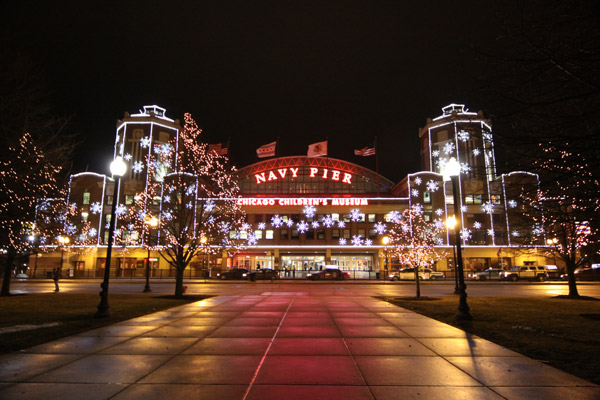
[341, 224]
[73, 207]
[487, 207]
[95, 208]
[435, 153]
[165, 149]
[394, 216]
[355, 215]
[127, 157]
[414, 193]
[418, 181]
[327, 221]
[171, 189]
[417, 208]
[368, 242]
[438, 223]
[380, 228]
[463, 208]
[439, 212]
[512, 203]
[309, 211]
[289, 223]
[137, 167]
[130, 226]
[302, 226]
[167, 199]
[92, 232]
[315, 224]
[43, 240]
[262, 226]
[210, 220]
[405, 228]
[515, 233]
[167, 215]
[252, 240]
[276, 221]
[537, 230]
[156, 149]
[209, 206]
[476, 152]
[356, 240]
[464, 136]
[449, 148]
[70, 229]
[245, 227]
[190, 190]
[487, 136]
[490, 232]
[465, 234]
[439, 241]
[121, 210]
[189, 206]
[476, 225]
[465, 168]
[342, 242]
[432, 186]
[224, 227]
[145, 142]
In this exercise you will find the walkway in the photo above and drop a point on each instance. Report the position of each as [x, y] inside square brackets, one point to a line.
[281, 346]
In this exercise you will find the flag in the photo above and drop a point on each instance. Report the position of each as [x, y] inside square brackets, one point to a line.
[366, 152]
[267, 150]
[217, 148]
[317, 149]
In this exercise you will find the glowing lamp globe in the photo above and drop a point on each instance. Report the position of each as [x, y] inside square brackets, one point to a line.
[452, 167]
[118, 166]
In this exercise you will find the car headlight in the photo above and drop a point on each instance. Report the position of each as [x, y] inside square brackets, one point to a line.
[308, 274]
[391, 276]
[244, 274]
[218, 274]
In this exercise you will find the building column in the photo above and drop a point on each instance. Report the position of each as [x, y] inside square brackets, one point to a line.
[328, 257]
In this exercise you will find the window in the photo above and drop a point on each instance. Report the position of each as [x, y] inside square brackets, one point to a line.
[450, 199]
[496, 199]
[84, 216]
[231, 234]
[156, 200]
[427, 197]
[269, 234]
[371, 218]
[86, 198]
[362, 233]
[258, 234]
[347, 218]
[372, 234]
[335, 234]
[108, 217]
[321, 234]
[346, 233]
[284, 234]
[473, 199]
[109, 200]
[295, 234]
[335, 217]
[310, 234]
[128, 199]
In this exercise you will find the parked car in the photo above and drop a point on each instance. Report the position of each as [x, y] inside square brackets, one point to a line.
[235, 273]
[431, 274]
[328, 273]
[587, 274]
[408, 274]
[553, 272]
[263, 273]
[21, 276]
[530, 272]
[490, 273]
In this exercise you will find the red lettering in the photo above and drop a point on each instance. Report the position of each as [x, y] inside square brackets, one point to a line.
[313, 172]
[260, 177]
[294, 172]
[335, 175]
[282, 172]
[324, 173]
[272, 176]
[347, 178]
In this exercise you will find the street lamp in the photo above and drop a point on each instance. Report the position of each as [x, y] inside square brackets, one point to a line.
[203, 241]
[385, 240]
[118, 169]
[452, 170]
[552, 242]
[451, 224]
[151, 222]
[64, 241]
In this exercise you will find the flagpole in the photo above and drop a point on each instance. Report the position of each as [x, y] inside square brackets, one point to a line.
[377, 165]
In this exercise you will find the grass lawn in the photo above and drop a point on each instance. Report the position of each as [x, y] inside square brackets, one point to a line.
[562, 332]
[74, 312]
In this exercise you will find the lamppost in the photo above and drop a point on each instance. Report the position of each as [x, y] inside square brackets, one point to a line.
[452, 170]
[451, 224]
[385, 240]
[118, 169]
[33, 240]
[151, 222]
[204, 240]
[64, 241]
[552, 242]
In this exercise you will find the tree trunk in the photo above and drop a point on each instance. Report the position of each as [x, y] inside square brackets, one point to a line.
[179, 282]
[418, 282]
[8, 268]
[572, 283]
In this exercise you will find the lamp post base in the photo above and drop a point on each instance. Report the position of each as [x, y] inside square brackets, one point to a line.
[146, 289]
[103, 309]
[463, 313]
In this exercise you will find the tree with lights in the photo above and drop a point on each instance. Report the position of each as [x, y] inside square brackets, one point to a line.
[412, 240]
[196, 205]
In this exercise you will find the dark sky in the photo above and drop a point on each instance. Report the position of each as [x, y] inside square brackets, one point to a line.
[253, 71]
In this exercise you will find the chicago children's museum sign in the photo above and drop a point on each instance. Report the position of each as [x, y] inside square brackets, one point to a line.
[313, 172]
[303, 202]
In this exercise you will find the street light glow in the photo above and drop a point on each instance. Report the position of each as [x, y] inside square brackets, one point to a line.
[118, 167]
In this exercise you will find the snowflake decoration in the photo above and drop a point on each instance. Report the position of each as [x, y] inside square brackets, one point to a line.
[252, 240]
[167, 199]
[465, 234]
[92, 232]
[44, 239]
[405, 228]
[70, 229]
[130, 226]
[165, 149]
[395, 216]
[463, 208]
[167, 215]
[418, 181]
[190, 190]
[432, 186]
[289, 223]
[435, 153]
[127, 157]
[476, 225]
[341, 224]
[121, 210]
[209, 206]
[327, 221]
[368, 242]
[464, 136]
[414, 193]
[189, 206]
[245, 227]
[156, 149]
[537, 230]
[315, 224]
[356, 240]
[438, 223]
[465, 168]
[515, 233]
[476, 152]
[487, 208]
[490, 232]
[309, 211]
[224, 227]
[355, 215]
[210, 220]
[276, 221]
[487, 136]
[145, 141]
[137, 167]
[96, 208]
[439, 241]
[73, 207]
[171, 189]
[512, 203]
[439, 212]
[380, 228]
[449, 148]
[262, 226]
[417, 208]
[342, 242]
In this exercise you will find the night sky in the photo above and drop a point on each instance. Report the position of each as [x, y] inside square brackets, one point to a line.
[253, 71]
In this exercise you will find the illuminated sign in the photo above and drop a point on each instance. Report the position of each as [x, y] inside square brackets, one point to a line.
[303, 202]
[314, 172]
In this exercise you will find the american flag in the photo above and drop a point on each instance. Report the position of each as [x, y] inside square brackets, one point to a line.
[217, 148]
[365, 152]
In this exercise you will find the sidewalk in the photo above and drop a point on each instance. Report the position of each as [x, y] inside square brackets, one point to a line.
[281, 346]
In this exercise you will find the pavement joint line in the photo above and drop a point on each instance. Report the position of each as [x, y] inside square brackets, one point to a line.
[267, 350]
